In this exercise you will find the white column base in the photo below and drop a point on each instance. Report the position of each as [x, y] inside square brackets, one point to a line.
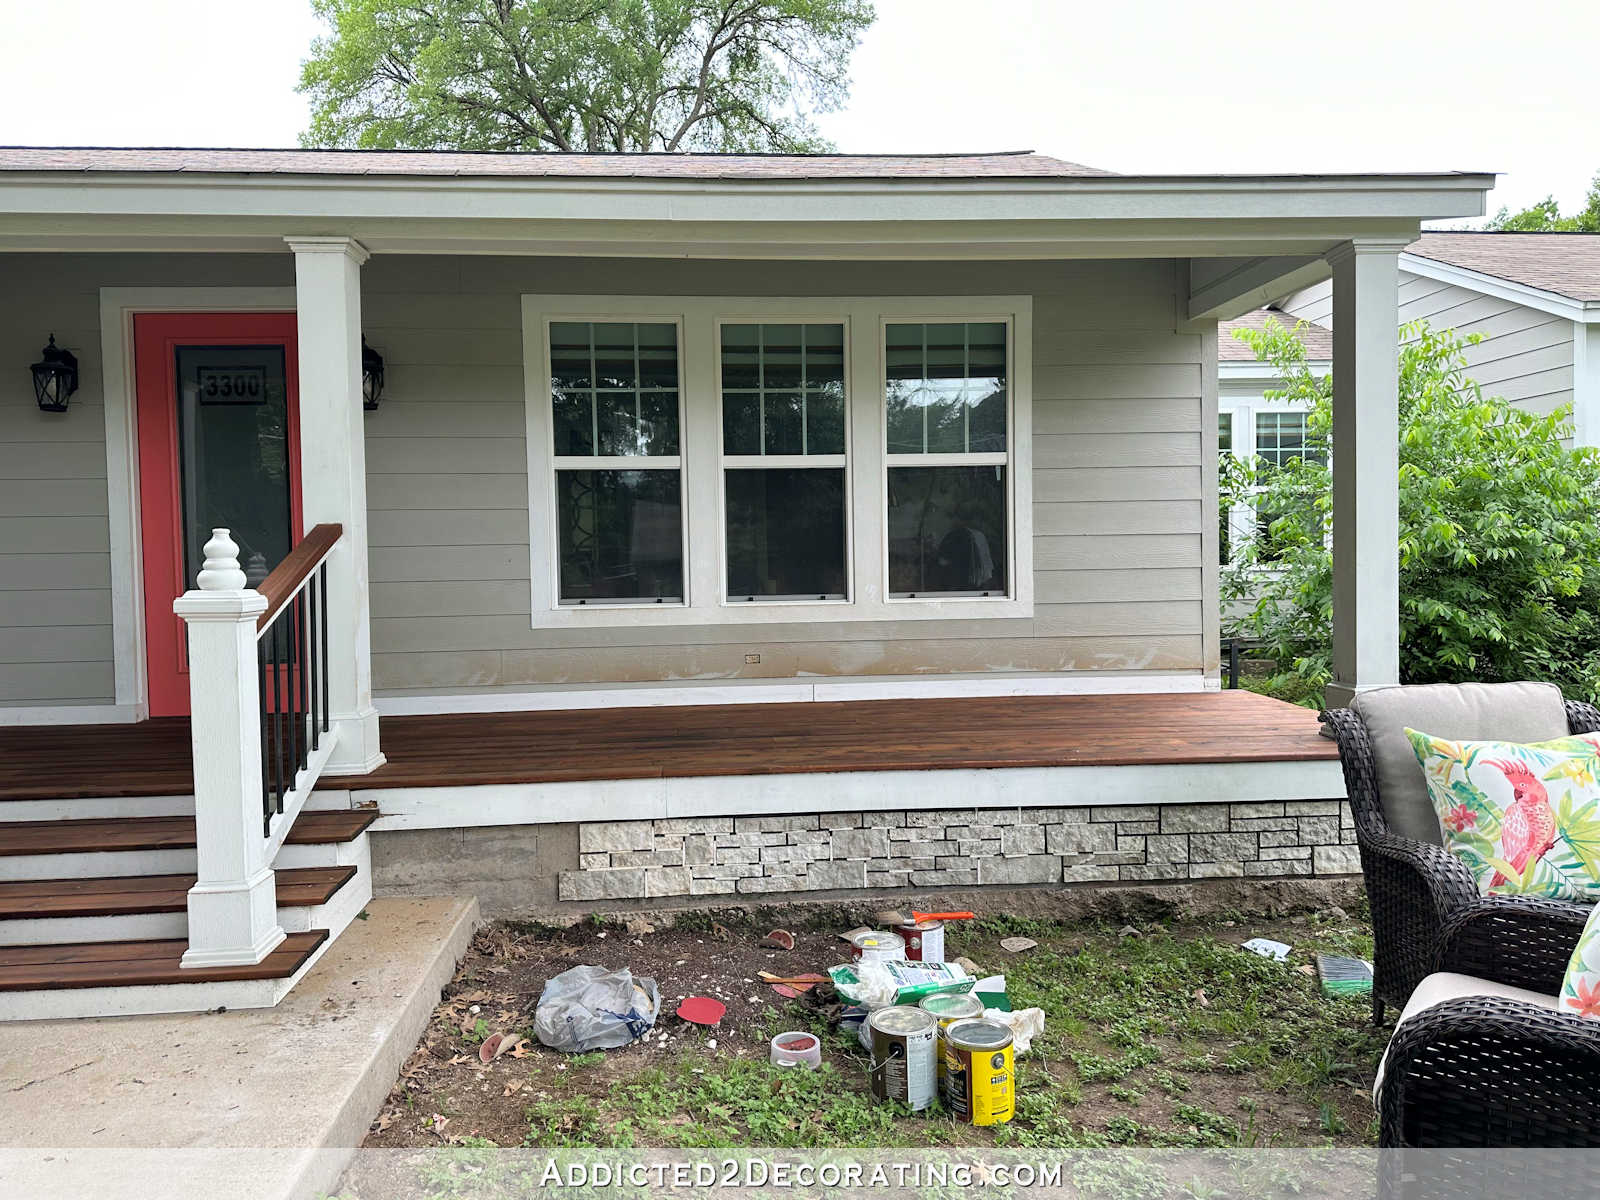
[356, 750]
[233, 924]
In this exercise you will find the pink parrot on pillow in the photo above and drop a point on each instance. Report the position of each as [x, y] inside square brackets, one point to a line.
[1528, 826]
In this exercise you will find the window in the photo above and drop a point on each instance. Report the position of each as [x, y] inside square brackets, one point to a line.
[727, 460]
[945, 401]
[614, 391]
[1280, 439]
[1224, 446]
[783, 457]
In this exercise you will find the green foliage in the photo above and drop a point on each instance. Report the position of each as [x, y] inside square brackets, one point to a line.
[579, 75]
[1545, 216]
[1499, 531]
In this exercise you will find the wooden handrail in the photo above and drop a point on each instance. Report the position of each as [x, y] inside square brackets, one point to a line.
[288, 575]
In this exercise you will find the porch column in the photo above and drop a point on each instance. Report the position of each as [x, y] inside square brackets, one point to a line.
[333, 479]
[1366, 467]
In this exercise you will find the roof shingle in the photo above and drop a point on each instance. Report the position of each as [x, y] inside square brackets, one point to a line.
[1317, 339]
[1007, 165]
[1567, 264]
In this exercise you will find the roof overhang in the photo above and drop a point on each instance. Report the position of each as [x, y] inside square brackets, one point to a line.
[1585, 312]
[1091, 217]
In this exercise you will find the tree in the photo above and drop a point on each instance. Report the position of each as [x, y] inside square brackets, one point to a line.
[1499, 532]
[583, 75]
[1545, 216]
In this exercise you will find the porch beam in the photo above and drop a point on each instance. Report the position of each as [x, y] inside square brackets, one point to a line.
[1225, 288]
[333, 480]
[1366, 467]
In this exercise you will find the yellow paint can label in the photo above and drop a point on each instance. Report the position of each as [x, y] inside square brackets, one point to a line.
[979, 1081]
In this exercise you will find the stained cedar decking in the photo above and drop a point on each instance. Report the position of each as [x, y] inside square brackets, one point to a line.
[464, 749]
[91, 835]
[23, 899]
[124, 964]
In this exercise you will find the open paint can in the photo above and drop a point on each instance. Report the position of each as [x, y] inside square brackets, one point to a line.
[904, 1056]
[949, 1007]
[924, 940]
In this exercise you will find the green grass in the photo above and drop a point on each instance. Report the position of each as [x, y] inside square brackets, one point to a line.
[1173, 1038]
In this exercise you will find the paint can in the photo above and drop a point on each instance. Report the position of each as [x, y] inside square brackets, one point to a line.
[905, 1065]
[947, 1007]
[924, 940]
[979, 1073]
[877, 946]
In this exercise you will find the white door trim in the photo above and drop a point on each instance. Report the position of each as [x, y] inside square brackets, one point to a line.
[117, 307]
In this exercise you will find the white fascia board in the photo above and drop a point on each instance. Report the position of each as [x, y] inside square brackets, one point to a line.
[1184, 215]
[1263, 372]
[1585, 312]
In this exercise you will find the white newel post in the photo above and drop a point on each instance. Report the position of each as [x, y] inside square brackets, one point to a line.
[1366, 468]
[233, 906]
[333, 480]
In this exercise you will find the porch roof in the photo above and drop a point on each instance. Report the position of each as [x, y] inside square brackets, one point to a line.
[700, 741]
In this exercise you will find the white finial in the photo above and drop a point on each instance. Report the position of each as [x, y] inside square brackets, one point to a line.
[220, 572]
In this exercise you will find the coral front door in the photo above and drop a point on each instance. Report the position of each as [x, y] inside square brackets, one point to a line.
[218, 423]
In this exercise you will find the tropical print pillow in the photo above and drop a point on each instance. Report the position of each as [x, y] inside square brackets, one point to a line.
[1580, 990]
[1524, 818]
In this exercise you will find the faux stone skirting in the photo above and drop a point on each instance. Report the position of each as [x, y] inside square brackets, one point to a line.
[724, 856]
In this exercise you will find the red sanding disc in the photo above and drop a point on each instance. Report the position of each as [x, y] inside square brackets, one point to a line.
[702, 1010]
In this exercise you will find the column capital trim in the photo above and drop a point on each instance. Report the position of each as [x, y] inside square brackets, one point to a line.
[330, 245]
[1356, 247]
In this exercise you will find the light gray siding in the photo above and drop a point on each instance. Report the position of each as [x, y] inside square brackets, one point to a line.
[1118, 513]
[1525, 355]
[1117, 482]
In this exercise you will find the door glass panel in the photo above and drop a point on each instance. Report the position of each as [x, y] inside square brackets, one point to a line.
[233, 453]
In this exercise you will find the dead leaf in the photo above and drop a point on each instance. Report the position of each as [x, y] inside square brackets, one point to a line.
[720, 931]
[521, 1049]
[1017, 945]
[1306, 969]
[437, 1123]
[383, 1122]
[507, 1014]
[513, 1088]
[1201, 998]
[457, 1059]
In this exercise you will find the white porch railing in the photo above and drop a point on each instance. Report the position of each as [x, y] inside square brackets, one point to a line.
[260, 732]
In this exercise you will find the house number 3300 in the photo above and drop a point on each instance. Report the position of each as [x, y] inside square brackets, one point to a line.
[231, 385]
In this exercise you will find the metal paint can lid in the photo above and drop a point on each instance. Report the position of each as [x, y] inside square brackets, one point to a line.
[978, 1034]
[877, 940]
[949, 1006]
[902, 1020]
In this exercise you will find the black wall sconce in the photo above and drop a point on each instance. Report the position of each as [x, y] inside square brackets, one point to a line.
[371, 376]
[55, 377]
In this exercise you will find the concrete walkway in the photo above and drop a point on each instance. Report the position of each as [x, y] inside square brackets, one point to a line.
[258, 1105]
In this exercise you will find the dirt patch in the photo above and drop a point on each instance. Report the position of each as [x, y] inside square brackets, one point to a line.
[1172, 1036]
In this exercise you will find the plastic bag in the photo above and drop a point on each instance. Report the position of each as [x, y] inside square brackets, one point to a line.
[1025, 1025]
[591, 1008]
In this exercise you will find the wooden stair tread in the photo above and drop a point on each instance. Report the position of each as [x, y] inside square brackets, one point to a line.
[101, 834]
[36, 898]
[139, 963]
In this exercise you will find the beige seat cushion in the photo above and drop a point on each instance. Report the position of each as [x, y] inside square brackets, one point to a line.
[1442, 986]
[1502, 712]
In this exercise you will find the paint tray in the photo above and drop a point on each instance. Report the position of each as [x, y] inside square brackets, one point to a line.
[1344, 976]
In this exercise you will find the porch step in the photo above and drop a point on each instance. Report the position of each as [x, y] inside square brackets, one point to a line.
[139, 964]
[108, 847]
[32, 899]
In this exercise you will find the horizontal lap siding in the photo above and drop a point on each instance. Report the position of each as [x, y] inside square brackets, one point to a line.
[1117, 482]
[55, 561]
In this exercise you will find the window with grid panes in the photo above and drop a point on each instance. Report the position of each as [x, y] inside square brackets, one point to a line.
[614, 390]
[945, 405]
[784, 457]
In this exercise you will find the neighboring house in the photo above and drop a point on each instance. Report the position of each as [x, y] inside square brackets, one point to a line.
[1534, 298]
[540, 471]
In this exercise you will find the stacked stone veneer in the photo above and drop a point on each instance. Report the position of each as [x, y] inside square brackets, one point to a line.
[726, 856]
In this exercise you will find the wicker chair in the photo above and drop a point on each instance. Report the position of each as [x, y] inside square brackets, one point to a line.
[1493, 1070]
[1417, 891]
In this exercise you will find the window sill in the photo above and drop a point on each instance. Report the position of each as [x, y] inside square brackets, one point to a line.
[784, 612]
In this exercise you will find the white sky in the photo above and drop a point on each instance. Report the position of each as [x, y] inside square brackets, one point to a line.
[1135, 85]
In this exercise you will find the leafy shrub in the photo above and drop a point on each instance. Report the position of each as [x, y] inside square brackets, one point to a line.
[1499, 531]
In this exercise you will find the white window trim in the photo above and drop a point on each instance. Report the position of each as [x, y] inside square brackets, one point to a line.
[700, 454]
[1243, 410]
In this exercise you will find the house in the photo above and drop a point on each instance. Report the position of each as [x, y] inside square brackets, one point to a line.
[1533, 298]
[582, 529]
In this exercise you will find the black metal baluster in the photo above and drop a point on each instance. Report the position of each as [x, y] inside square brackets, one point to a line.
[261, 709]
[316, 663]
[322, 615]
[292, 686]
[301, 683]
[277, 711]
